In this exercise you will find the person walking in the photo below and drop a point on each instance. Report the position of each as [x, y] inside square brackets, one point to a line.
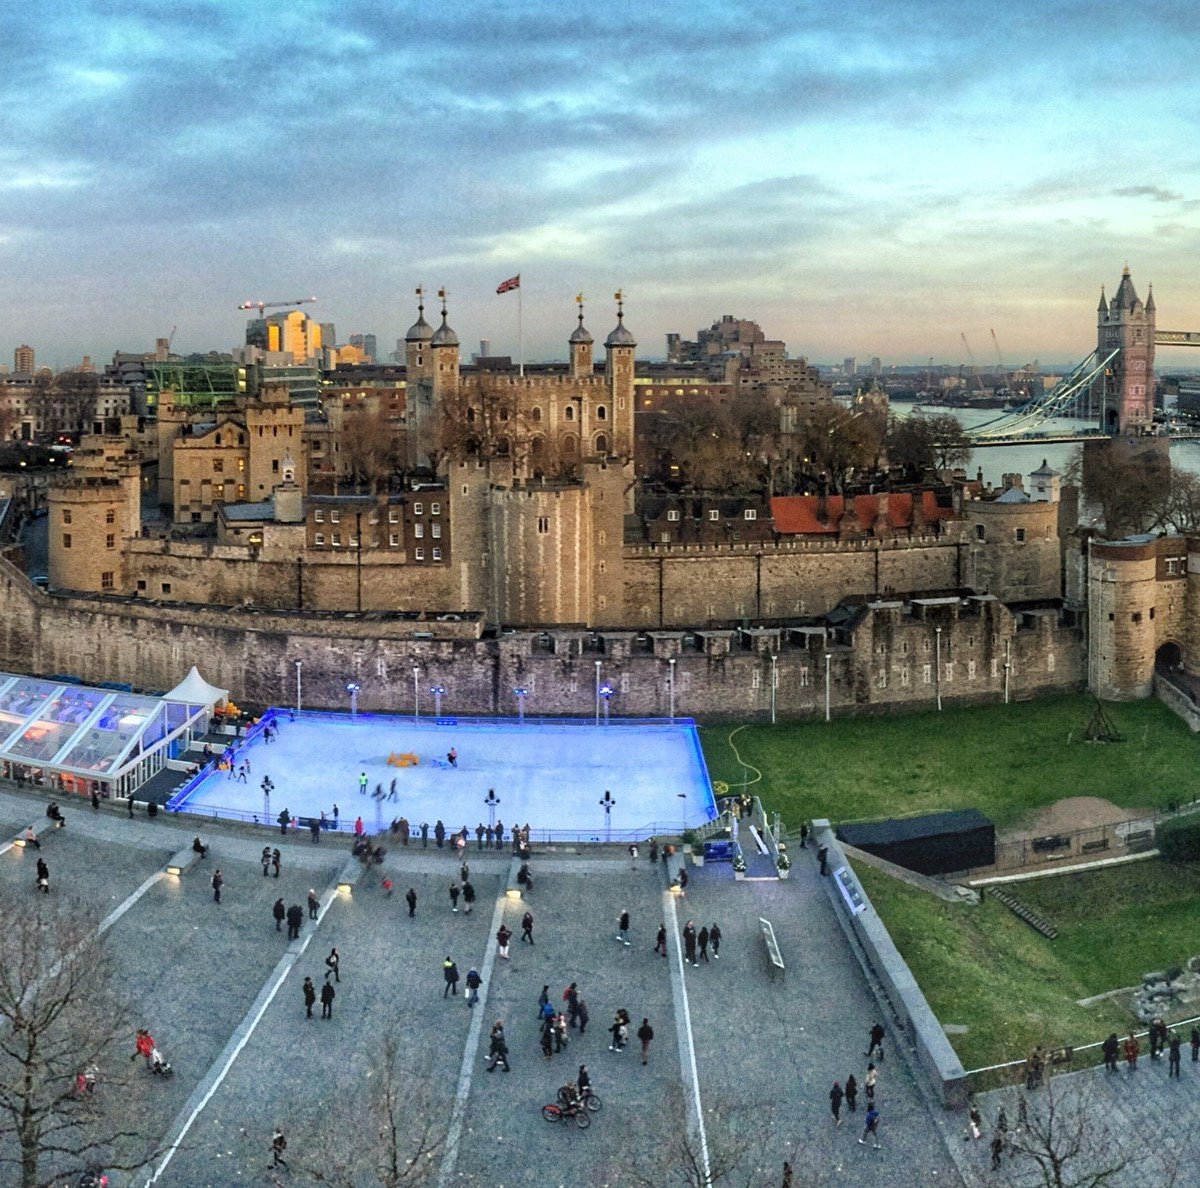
[279, 912]
[543, 1001]
[333, 963]
[623, 928]
[295, 918]
[43, 876]
[1195, 1044]
[560, 1032]
[835, 1103]
[217, 883]
[653, 855]
[852, 1093]
[265, 859]
[547, 1037]
[450, 974]
[689, 944]
[870, 1081]
[714, 941]
[683, 881]
[313, 903]
[786, 1182]
[1173, 1046]
[468, 894]
[876, 1041]
[360, 829]
[581, 1015]
[278, 1146]
[464, 873]
[997, 1150]
[498, 1048]
[276, 858]
[527, 928]
[310, 997]
[328, 994]
[619, 1031]
[702, 941]
[633, 856]
[1132, 1048]
[439, 834]
[1158, 1036]
[571, 998]
[645, 1035]
[660, 941]
[503, 936]
[480, 830]
[410, 897]
[474, 981]
[284, 819]
[823, 858]
[1111, 1049]
[454, 894]
[804, 835]
[871, 1128]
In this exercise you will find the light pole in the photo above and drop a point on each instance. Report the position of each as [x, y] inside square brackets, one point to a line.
[774, 683]
[606, 692]
[298, 664]
[607, 804]
[671, 685]
[437, 691]
[353, 688]
[1008, 663]
[683, 810]
[520, 693]
[938, 657]
[267, 786]
[416, 692]
[598, 692]
[827, 659]
[491, 800]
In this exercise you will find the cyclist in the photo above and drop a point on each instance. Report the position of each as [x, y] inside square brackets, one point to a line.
[569, 1096]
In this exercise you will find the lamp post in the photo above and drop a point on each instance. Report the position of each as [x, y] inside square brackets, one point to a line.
[598, 692]
[774, 683]
[416, 692]
[298, 665]
[671, 685]
[937, 631]
[491, 800]
[1008, 663]
[520, 693]
[607, 803]
[267, 787]
[827, 659]
[606, 692]
[437, 691]
[353, 688]
[683, 811]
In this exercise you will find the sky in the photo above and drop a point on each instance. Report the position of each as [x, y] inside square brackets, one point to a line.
[861, 179]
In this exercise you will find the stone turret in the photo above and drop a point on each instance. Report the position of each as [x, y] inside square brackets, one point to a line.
[1127, 326]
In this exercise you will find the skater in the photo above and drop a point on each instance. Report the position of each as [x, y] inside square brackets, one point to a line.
[454, 894]
[265, 859]
[335, 818]
[328, 994]
[439, 834]
[876, 1041]
[276, 858]
[313, 903]
[1158, 1036]
[997, 1150]
[1111, 1049]
[623, 928]
[278, 1146]
[279, 912]
[660, 941]
[474, 981]
[714, 940]
[689, 944]
[333, 962]
[872, 1127]
[527, 928]
[702, 941]
[497, 1048]
[362, 783]
[295, 918]
[468, 894]
[452, 757]
[410, 897]
[285, 819]
[852, 1093]
[424, 835]
[314, 828]
[502, 939]
[392, 793]
[645, 1035]
[43, 876]
[405, 829]
[359, 828]
[499, 834]
[1173, 1055]
[310, 997]
[835, 1103]
[217, 883]
[870, 1081]
[823, 858]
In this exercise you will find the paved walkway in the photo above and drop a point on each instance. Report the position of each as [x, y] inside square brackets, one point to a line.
[221, 990]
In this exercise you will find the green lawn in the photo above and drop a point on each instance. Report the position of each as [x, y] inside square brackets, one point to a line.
[983, 967]
[1003, 760]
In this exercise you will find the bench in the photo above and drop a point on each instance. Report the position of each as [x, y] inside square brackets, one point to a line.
[182, 862]
[773, 954]
[40, 826]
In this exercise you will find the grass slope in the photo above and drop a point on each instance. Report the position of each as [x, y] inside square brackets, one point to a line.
[1003, 760]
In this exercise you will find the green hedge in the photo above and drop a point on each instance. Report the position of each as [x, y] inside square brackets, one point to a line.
[1179, 841]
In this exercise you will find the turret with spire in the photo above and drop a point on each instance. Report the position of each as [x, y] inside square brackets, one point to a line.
[619, 349]
[1125, 326]
[581, 346]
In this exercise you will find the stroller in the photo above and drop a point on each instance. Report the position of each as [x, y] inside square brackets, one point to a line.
[159, 1064]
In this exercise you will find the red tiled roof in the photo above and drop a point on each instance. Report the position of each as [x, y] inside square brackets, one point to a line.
[798, 514]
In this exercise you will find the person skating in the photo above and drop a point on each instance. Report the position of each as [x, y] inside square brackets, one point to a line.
[410, 897]
[804, 835]
[295, 918]
[454, 894]
[527, 928]
[997, 1148]
[498, 1048]
[543, 1001]
[835, 1103]
[362, 783]
[279, 912]
[645, 1035]
[702, 941]
[474, 981]
[852, 1093]
[217, 883]
[714, 940]
[623, 928]
[313, 903]
[333, 962]
[450, 974]
[328, 994]
[43, 876]
[1158, 1036]
[503, 936]
[660, 941]
[872, 1127]
[452, 756]
[1111, 1049]
[876, 1041]
[689, 944]
[310, 997]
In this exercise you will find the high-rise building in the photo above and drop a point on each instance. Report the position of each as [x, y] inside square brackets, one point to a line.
[850, 366]
[365, 343]
[876, 366]
[328, 334]
[294, 334]
[23, 360]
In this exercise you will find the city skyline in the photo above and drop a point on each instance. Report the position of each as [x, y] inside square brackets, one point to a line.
[860, 182]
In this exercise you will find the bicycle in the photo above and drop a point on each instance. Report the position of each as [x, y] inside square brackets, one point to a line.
[589, 1099]
[564, 1114]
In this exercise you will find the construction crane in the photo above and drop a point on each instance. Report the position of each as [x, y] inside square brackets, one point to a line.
[1000, 361]
[261, 305]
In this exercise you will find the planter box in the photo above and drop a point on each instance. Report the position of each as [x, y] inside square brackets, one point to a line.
[784, 874]
[739, 875]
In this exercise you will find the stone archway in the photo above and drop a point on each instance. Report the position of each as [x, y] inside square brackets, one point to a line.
[1169, 658]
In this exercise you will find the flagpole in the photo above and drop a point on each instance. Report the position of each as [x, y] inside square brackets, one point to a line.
[520, 333]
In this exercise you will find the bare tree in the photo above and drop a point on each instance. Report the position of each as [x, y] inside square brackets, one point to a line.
[370, 448]
[59, 1015]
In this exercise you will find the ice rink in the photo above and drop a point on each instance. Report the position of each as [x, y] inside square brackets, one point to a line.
[550, 775]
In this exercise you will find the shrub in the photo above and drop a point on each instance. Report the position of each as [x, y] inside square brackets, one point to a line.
[1179, 841]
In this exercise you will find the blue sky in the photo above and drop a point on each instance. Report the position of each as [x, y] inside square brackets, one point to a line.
[860, 178]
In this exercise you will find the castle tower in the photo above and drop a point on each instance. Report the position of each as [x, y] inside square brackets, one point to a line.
[581, 347]
[619, 348]
[418, 386]
[444, 348]
[1121, 630]
[1126, 324]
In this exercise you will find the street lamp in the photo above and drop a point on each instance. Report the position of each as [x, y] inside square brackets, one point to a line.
[491, 800]
[353, 688]
[827, 659]
[416, 692]
[598, 692]
[298, 664]
[774, 683]
[520, 694]
[437, 691]
[671, 685]
[683, 810]
[267, 788]
[938, 673]
[607, 803]
[606, 692]
[1008, 663]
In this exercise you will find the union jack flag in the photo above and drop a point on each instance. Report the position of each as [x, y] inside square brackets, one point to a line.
[513, 282]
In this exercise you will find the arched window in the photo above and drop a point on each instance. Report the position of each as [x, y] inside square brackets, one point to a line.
[569, 413]
[569, 447]
[535, 414]
[218, 439]
[601, 444]
[601, 413]
[503, 448]
[470, 416]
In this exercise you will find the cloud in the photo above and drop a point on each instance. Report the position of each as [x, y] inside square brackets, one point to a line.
[1155, 192]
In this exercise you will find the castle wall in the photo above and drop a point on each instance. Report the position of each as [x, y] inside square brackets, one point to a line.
[1014, 550]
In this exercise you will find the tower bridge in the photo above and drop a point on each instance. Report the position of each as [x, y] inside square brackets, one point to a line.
[1113, 386]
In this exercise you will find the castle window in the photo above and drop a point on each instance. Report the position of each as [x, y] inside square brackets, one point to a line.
[319, 516]
[419, 531]
[1172, 565]
[470, 416]
[418, 554]
[1050, 662]
[66, 515]
[535, 414]
[435, 509]
[166, 587]
[601, 413]
[393, 516]
[949, 672]
[980, 532]
[881, 679]
[110, 541]
[337, 540]
[569, 413]
[1152, 612]
[750, 514]
[805, 676]
[926, 645]
[141, 584]
[393, 540]
[713, 514]
[673, 516]
[66, 540]
[218, 465]
[1136, 616]
[666, 537]
[218, 439]
[437, 554]
[353, 542]
[335, 517]
[927, 674]
[274, 465]
[241, 490]
[601, 444]
[319, 538]
[241, 439]
[242, 465]
[543, 524]
[110, 516]
[106, 580]
[436, 531]
[904, 648]
[1020, 534]
[418, 509]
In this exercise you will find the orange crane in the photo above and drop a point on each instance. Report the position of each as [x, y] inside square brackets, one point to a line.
[261, 305]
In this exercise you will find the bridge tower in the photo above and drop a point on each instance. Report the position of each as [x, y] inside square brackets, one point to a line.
[1127, 325]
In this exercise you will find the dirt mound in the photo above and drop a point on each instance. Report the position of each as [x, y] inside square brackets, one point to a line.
[1072, 814]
